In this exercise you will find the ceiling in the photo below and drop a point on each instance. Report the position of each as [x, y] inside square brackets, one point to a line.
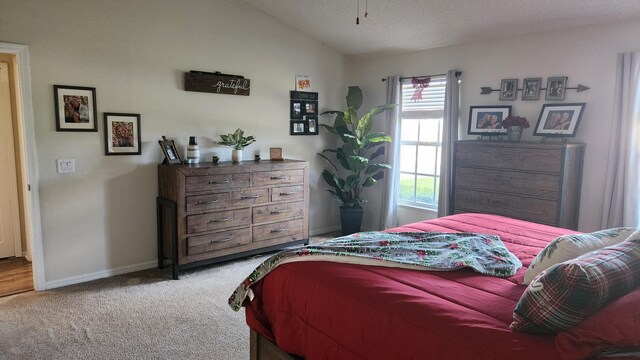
[396, 26]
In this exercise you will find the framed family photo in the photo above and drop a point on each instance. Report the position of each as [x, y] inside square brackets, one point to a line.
[559, 120]
[508, 89]
[301, 108]
[169, 150]
[556, 87]
[531, 88]
[297, 128]
[487, 120]
[122, 134]
[75, 108]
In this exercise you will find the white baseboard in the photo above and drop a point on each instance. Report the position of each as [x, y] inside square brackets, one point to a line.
[324, 230]
[100, 274]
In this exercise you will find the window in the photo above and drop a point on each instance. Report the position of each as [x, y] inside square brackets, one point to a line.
[421, 143]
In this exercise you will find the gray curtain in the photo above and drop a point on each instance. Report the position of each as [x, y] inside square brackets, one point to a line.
[622, 186]
[389, 211]
[449, 136]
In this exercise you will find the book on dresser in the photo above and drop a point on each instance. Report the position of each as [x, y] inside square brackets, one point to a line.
[209, 212]
[532, 181]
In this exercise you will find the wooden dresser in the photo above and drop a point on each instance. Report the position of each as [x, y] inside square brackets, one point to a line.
[538, 182]
[215, 212]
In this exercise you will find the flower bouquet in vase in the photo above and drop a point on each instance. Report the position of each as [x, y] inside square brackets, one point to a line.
[514, 126]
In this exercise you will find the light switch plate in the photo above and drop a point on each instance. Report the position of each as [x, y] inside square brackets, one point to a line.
[65, 166]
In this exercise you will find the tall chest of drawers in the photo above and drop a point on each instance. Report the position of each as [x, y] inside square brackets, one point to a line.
[215, 212]
[538, 182]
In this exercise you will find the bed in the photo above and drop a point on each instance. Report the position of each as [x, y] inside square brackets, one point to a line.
[327, 310]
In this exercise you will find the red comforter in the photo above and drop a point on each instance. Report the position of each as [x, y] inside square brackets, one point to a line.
[323, 310]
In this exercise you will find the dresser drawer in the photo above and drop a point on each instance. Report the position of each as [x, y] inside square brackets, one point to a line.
[531, 184]
[290, 230]
[284, 177]
[249, 197]
[218, 220]
[531, 209]
[278, 212]
[220, 240]
[510, 158]
[207, 202]
[216, 182]
[287, 193]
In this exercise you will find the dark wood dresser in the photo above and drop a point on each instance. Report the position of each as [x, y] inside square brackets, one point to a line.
[215, 212]
[538, 182]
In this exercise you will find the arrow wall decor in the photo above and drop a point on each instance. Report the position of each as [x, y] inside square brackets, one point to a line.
[487, 90]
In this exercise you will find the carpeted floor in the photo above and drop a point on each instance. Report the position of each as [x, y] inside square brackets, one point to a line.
[142, 315]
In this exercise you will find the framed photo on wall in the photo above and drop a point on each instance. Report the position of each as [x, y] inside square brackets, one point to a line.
[531, 88]
[75, 108]
[487, 120]
[122, 134]
[559, 120]
[297, 128]
[556, 87]
[508, 89]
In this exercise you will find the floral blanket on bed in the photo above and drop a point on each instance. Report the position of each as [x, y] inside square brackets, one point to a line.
[428, 251]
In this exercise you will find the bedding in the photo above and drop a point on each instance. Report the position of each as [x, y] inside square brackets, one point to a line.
[428, 251]
[322, 310]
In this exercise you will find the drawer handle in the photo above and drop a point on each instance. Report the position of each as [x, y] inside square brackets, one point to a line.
[219, 241]
[245, 197]
[220, 220]
[225, 181]
[287, 193]
[281, 177]
[276, 212]
[207, 202]
[280, 230]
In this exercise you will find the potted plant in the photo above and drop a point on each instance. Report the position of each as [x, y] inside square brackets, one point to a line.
[355, 153]
[238, 141]
[514, 126]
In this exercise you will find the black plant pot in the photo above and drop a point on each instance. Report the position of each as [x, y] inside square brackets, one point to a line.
[351, 219]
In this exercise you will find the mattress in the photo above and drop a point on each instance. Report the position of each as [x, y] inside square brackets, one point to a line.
[323, 310]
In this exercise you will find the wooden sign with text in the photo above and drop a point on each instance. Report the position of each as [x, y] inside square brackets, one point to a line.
[216, 83]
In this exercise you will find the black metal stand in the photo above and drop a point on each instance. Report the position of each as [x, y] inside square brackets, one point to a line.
[563, 139]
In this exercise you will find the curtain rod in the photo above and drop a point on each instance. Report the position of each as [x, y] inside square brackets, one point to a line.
[458, 74]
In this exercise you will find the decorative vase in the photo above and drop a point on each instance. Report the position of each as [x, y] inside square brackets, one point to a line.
[351, 219]
[514, 133]
[193, 151]
[236, 155]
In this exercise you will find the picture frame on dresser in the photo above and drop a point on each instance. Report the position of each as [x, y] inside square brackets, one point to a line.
[487, 119]
[559, 120]
[171, 155]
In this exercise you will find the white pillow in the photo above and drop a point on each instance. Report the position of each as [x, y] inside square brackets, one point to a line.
[568, 247]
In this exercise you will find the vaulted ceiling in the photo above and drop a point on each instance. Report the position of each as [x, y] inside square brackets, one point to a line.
[395, 26]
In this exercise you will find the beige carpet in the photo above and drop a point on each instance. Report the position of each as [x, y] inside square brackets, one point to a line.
[143, 315]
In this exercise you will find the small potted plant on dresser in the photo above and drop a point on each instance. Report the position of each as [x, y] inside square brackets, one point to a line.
[514, 126]
[355, 154]
[238, 141]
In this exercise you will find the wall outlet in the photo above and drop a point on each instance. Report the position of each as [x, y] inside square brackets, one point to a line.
[65, 166]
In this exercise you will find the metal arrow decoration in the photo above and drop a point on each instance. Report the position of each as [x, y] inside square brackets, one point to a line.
[580, 88]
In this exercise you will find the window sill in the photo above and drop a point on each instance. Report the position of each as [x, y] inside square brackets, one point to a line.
[420, 208]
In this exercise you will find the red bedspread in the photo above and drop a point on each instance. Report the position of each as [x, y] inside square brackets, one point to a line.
[323, 310]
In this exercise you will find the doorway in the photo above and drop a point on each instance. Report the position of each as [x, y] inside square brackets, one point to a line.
[27, 250]
[15, 268]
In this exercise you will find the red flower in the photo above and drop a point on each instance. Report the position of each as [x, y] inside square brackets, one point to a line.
[421, 253]
[515, 121]
[304, 252]
[384, 243]
[487, 241]
[453, 246]
[247, 282]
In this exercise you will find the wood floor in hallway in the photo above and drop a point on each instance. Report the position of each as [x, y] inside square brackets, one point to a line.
[16, 276]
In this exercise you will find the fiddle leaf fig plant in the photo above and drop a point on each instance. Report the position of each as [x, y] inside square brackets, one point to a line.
[354, 168]
[237, 140]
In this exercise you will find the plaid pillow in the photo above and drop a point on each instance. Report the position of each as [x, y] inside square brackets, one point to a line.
[567, 247]
[567, 293]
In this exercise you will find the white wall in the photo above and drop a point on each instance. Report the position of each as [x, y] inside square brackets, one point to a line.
[587, 55]
[101, 219]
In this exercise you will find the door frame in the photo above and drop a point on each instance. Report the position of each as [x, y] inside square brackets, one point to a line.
[28, 160]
